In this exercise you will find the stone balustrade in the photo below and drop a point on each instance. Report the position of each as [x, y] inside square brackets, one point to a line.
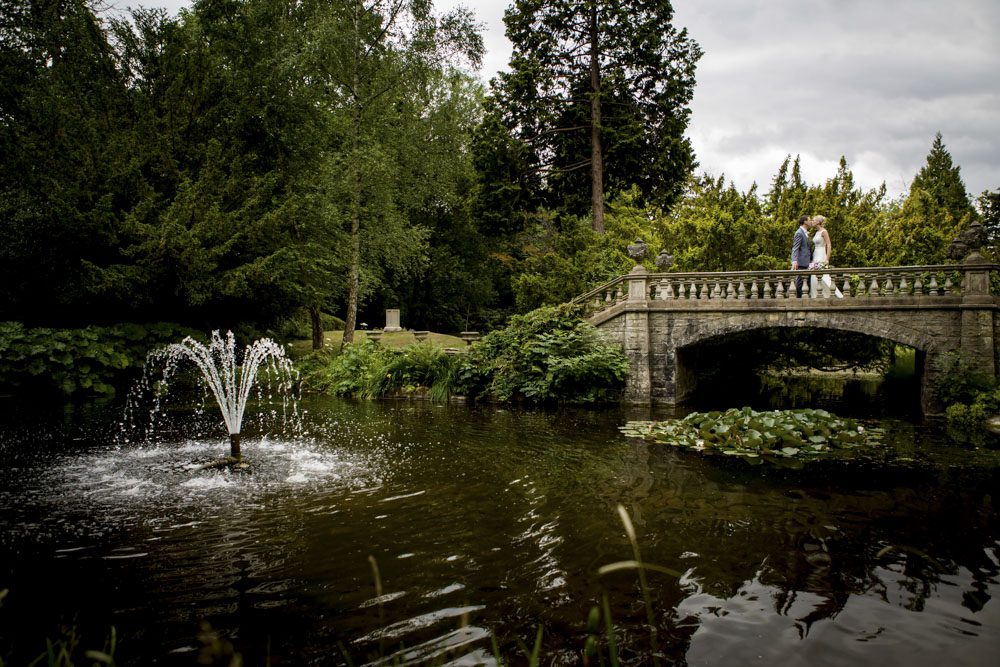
[898, 282]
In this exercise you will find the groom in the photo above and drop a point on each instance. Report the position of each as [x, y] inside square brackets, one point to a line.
[801, 252]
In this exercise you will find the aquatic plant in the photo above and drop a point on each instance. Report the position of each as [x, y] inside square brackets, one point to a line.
[802, 434]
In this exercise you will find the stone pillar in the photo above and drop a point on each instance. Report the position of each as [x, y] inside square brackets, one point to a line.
[638, 387]
[392, 320]
[977, 348]
[637, 284]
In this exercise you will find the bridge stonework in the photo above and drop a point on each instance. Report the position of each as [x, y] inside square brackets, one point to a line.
[946, 313]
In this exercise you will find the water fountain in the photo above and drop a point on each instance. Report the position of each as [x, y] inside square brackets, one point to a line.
[228, 381]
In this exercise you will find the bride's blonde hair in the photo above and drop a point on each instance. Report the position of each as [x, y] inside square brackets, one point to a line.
[819, 220]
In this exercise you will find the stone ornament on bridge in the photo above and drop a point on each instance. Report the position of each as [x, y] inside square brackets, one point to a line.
[967, 243]
[637, 250]
[664, 261]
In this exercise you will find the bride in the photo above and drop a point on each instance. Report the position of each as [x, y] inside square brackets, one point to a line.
[822, 252]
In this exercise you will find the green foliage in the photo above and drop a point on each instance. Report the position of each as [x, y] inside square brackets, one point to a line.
[989, 214]
[549, 354]
[777, 434]
[551, 112]
[941, 179]
[369, 370]
[88, 362]
[963, 383]
[970, 397]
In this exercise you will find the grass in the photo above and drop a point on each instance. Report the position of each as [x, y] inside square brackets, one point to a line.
[333, 339]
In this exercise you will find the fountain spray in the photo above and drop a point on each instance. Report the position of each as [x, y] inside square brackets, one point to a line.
[228, 381]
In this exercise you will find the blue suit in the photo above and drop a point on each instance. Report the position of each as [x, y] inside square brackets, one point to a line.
[801, 254]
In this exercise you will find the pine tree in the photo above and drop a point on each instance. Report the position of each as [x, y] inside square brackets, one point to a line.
[598, 94]
[940, 178]
[989, 214]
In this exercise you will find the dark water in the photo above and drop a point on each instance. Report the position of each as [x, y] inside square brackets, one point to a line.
[489, 523]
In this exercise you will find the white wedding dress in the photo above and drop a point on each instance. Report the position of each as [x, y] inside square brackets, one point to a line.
[824, 286]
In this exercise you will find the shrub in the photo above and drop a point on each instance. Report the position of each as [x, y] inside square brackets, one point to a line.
[369, 370]
[78, 362]
[549, 354]
[973, 413]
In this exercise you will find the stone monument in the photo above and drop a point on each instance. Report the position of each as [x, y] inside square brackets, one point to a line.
[392, 320]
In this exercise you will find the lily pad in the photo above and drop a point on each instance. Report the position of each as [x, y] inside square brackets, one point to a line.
[777, 435]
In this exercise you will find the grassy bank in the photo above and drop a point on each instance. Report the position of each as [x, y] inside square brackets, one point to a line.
[393, 339]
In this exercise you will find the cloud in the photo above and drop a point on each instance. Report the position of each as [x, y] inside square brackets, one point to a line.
[872, 81]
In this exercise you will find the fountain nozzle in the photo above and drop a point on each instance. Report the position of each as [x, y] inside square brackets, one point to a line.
[234, 445]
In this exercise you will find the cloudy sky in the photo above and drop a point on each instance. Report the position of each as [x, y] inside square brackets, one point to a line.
[872, 80]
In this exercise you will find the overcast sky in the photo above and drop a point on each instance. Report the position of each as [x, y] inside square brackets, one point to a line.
[872, 80]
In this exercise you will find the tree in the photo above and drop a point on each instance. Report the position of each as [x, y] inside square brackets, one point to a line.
[935, 210]
[66, 171]
[989, 214]
[370, 65]
[595, 86]
[941, 179]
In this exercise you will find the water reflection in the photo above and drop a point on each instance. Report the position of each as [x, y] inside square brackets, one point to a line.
[486, 523]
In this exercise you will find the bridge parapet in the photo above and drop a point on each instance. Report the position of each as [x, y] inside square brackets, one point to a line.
[840, 284]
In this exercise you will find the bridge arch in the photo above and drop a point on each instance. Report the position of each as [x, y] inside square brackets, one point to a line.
[898, 332]
[690, 360]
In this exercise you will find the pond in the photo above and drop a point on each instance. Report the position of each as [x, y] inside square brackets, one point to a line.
[400, 532]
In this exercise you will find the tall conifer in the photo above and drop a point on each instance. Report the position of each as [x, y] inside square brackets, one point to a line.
[598, 94]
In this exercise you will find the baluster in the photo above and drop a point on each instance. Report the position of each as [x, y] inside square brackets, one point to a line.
[873, 287]
[949, 287]
[731, 291]
[889, 288]
[934, 285]
[740, 291]
[918, 286]
[752, 292]
[666, 289]
[766, 285]
[904, 287]
[846, 289]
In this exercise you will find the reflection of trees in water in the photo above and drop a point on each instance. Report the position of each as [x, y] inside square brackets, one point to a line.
[813, 538]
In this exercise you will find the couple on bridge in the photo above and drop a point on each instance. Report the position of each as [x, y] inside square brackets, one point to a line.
[816, 256]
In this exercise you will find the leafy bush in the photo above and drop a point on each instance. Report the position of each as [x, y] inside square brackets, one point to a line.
[963, 384]
[369, 370]
[549, 354]
[972, 413]
[77, 362]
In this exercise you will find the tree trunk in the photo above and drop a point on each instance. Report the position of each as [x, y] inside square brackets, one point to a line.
[317, 327]
[350, 322]
[353, 281]
[596, 158]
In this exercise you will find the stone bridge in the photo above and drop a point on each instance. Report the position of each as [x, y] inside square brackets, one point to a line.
[947, 313]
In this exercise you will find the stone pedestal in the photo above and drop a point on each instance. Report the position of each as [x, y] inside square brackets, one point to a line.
[392, 320]
[421, 336]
